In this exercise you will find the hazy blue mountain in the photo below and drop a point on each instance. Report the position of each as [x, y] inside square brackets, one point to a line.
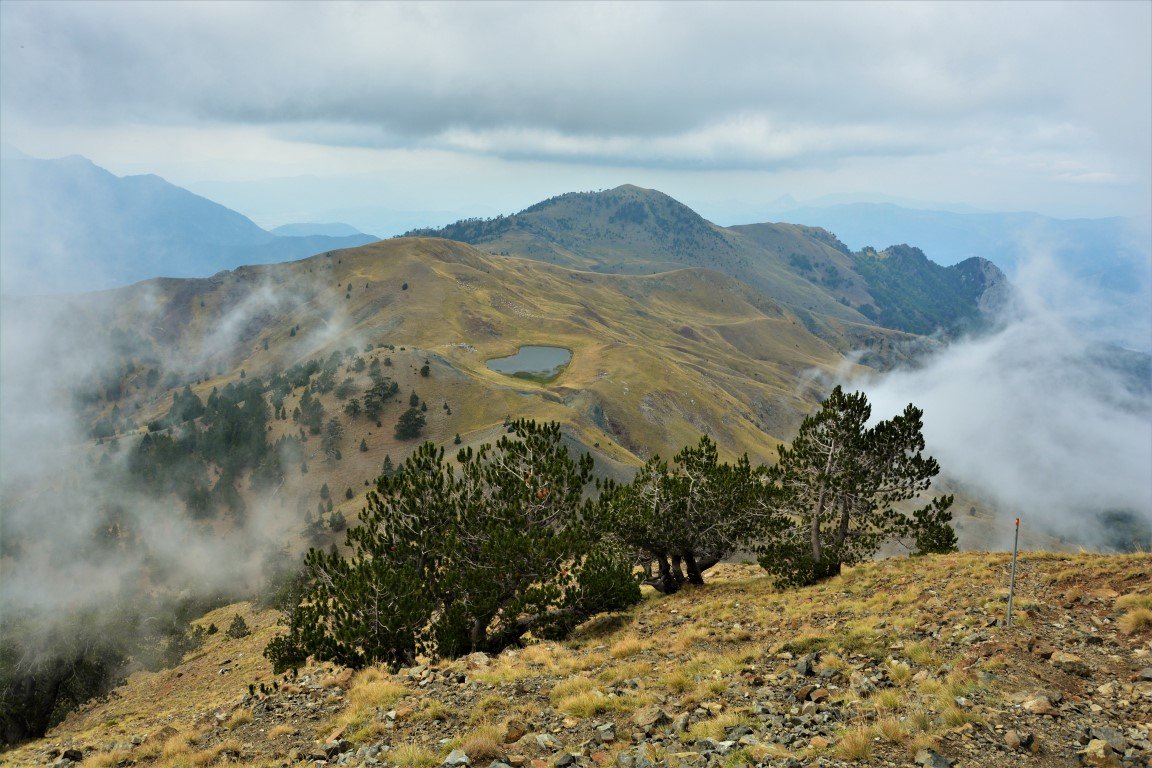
[1106, 251]
[68, 224]
[306, 229]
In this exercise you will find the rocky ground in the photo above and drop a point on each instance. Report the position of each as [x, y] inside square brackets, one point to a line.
[896, 663]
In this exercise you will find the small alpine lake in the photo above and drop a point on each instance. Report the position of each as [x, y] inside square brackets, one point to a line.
[533, 363]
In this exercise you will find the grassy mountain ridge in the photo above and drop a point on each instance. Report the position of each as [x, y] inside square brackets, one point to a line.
[629, 229]
[720, 344]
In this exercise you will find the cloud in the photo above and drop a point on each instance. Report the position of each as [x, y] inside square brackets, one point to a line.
[658, 85]
[1040, 417]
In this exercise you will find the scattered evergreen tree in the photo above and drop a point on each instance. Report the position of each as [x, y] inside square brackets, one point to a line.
[238, 628]
[838, 484]
[324, 491]
[427, 570]
[425, 370]
[333, 433]
[363, 445]
[413, 399]
[409, 425]
[456, 440]
[352, 408]
[348, 493]
[344, 389]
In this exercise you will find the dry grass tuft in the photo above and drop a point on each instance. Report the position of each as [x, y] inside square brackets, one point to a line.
[1136, 620]
[1133, 600]
[281, 730]
[239, 717]
[855, 744]
[892, 730]
[413, 756]
[483, 745]
[629, 646]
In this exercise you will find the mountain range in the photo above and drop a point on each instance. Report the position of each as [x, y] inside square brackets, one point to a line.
[633, 230]
[70, 225]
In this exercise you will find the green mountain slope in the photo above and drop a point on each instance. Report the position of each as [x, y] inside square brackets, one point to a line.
[633, 230]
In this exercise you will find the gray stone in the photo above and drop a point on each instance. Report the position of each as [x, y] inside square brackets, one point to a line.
[548, 741]
[930, 758]
[457, 757]
[1019, 740]
[649, 717]
[1114, 738]
[337, 747]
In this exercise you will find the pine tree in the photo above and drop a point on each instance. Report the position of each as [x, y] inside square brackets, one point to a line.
[409, 425]
[838, 484]
[427, 570]
[690, 516]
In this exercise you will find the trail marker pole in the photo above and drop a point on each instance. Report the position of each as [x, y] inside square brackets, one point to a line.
[1012, 581]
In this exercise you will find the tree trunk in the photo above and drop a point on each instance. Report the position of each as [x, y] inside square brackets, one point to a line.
[694, 574]
[815, 529]
[677, 572]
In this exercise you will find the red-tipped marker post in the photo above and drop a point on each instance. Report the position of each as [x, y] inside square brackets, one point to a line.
[1012, 581]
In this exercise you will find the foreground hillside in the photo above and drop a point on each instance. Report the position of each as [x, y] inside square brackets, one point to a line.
[893, 663]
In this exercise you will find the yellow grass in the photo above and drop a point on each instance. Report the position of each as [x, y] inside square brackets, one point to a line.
[239, 717]
[855, 745]
[1133, 600]
[891, 729]
[483, 745]
[413, 756]
[1135, 620]
[629, 646]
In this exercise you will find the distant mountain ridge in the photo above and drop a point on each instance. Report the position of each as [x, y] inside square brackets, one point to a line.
[1102, 248]
[633, 230]
[68, 224]
[327, 229]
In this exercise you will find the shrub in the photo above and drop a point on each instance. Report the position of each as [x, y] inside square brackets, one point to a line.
[238, 628]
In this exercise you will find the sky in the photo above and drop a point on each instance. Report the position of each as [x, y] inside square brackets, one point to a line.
[298, 111]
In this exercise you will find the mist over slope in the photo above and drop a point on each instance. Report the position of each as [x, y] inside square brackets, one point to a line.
[1040, 417]
[69, 225]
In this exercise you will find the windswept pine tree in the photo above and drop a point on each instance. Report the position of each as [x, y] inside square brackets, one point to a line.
[690, 516]
[839, 484]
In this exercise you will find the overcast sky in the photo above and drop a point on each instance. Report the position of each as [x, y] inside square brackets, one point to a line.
[486, 108]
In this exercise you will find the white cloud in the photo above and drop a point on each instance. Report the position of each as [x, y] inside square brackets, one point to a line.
[677, 86]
